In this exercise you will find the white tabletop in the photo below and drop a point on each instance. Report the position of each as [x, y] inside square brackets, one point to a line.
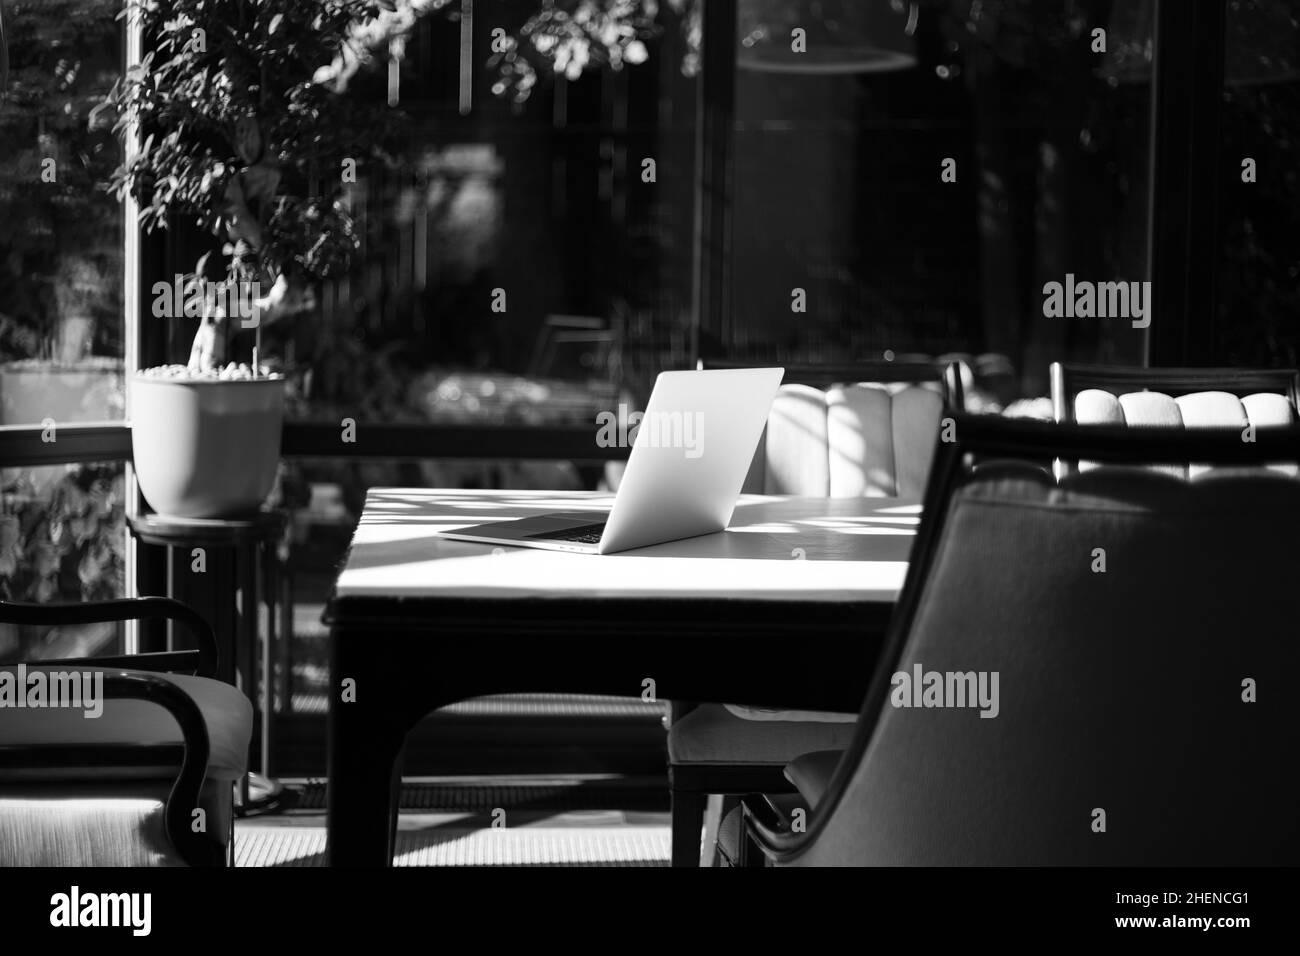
[777, 548]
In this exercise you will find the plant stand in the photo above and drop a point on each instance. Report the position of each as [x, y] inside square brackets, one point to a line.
[240, 564]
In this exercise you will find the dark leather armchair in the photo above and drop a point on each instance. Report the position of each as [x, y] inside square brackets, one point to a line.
[1144, 712]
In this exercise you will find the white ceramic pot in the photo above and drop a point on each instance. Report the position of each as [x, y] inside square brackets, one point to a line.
[205, 448]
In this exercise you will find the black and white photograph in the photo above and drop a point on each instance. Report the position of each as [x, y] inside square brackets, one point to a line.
[446, 440]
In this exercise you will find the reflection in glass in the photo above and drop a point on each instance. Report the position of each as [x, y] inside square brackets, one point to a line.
[921, 211]
[1258, 282]
[61, 250]
[62, 540]
[826, 36]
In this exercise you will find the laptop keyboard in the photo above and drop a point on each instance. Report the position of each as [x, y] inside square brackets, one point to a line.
[587, 534]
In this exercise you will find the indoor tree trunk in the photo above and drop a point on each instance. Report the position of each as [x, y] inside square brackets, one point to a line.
[211, 344]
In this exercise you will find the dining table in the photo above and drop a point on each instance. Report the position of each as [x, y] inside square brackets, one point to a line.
[788, 607]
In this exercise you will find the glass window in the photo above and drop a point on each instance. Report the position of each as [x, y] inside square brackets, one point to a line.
[910, 176]
[61, 328]
[62, 532]
[1258, 281]
[524, 258]
[62, 540]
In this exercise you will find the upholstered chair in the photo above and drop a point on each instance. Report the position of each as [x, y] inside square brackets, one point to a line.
[1142, 713]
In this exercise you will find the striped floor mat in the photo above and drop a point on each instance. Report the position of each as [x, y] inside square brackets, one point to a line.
[620, 845]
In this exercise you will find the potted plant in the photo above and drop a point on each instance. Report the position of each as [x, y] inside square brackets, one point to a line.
[240, 133]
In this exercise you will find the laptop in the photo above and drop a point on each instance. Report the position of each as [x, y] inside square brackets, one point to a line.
[690, 453]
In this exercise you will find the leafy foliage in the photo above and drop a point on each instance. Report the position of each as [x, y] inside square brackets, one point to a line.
[566, 37]
[563, 38]
[240, 135]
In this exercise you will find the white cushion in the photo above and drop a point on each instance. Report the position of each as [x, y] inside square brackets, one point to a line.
[850, 441]
[1211, 409]
[795, 459]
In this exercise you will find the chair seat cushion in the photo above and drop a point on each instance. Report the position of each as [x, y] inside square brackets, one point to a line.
[100, 823]
[129, 723]
[710, 734]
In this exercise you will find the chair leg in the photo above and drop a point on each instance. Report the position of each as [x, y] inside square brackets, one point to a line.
[751, 854]
[230, 831]
[687, 822]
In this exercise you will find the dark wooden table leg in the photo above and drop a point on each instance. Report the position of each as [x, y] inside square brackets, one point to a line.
[365, 739]
[687, 823]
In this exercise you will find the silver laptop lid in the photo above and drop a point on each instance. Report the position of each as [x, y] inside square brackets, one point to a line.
[692, 450]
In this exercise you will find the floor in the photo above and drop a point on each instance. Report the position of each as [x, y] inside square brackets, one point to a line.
[573, 820]
[541, 823]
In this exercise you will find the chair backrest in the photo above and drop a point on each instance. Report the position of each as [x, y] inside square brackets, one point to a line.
[848, 431]
[1130, 637]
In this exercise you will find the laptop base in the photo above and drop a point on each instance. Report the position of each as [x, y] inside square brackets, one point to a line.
[547, 532]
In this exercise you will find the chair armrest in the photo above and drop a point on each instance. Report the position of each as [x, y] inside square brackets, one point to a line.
[768, 827]
[195, 848]
[768, 817]
[811, 774]
[206, 660]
